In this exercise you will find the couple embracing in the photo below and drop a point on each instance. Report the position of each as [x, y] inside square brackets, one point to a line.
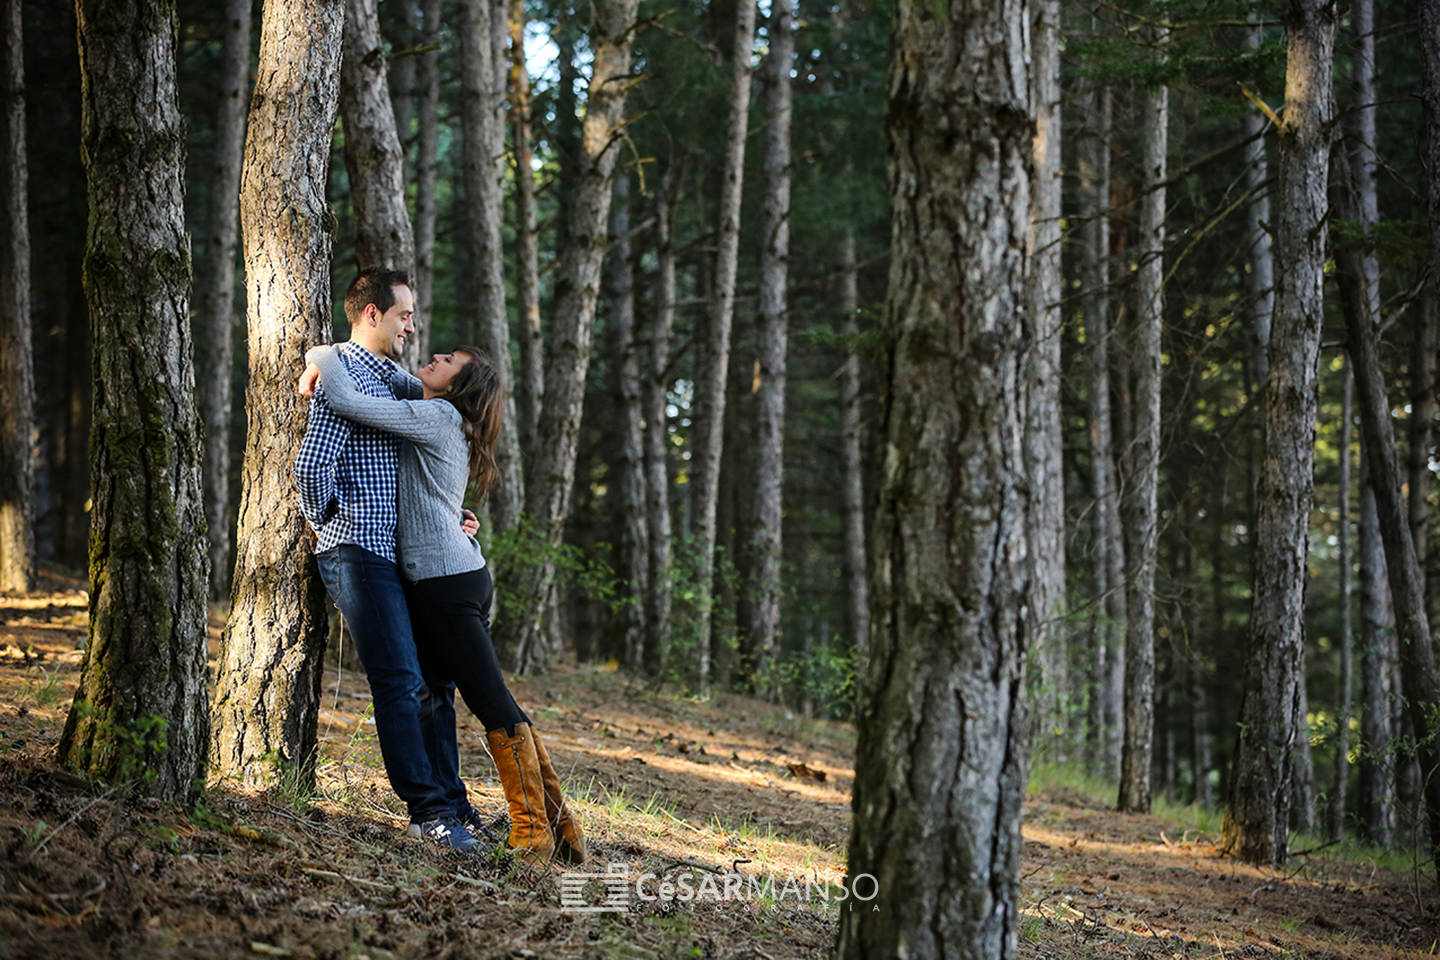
[383, 472]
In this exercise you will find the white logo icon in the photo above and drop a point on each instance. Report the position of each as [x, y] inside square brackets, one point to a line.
[617, 891]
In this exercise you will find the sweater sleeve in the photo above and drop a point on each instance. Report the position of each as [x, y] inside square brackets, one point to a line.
[426, 422]
[406, 386]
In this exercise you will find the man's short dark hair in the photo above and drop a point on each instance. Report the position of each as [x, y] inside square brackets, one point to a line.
[376, 285]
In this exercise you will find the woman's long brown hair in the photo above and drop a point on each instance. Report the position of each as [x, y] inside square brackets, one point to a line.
[476, 394]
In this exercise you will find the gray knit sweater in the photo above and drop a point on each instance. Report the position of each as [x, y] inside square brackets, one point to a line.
[433, 472]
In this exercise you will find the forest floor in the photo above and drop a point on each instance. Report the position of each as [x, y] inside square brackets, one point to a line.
[662, 784]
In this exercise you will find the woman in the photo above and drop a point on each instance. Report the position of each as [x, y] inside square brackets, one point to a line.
[452, 434]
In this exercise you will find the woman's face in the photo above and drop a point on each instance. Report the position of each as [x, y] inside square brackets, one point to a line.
[439, 373]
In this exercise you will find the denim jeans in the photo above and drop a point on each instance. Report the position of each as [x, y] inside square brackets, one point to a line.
[366, 588]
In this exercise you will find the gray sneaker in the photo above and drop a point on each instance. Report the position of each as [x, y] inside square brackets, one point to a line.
[472, 821]
[446, 831]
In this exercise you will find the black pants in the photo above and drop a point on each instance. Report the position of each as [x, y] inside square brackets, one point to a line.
[451, 619]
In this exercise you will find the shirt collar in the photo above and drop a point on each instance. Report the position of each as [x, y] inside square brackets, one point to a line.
[382, 368]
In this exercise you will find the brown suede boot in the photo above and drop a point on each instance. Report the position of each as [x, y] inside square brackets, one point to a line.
[519, 768]
[569, 841]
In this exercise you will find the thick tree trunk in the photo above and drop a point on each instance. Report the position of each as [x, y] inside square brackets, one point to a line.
[1260, 283]
[710, 382]
[530, 380]
[215, 289]
[1043, 441]
[267, 690]
[857, 592]
[402, 79]
[1107, 544]
[657, 435]
[374, 160]
[764, 549]
[1142, 459]
[1257, 817]
[139, 714]
[17, 377]
[427, 167]
[482, 116]
[941, 761]
[1402, 566]
[577, 285]
[1339, 790]
[634, 549]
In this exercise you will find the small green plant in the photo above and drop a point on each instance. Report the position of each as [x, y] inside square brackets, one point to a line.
[47, 691]
[1030, 926]
[35, 833]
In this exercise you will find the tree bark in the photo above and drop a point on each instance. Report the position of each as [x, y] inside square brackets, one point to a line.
[857, 588]
[374, 160]
[215, 289]
[1376, 806]
[139, 713]
[1107, 544]
[941, 760]
[530, 381]
[634, 551]
[657, 435]
[427, 167]
[1261, 280]
[17, 376]
[1257, 816]
[1422, 415]
[577, 285]
[1339, 790]
[763, 593]
[1142, 460]
[709, 406]
[482, 117]
[267, 690]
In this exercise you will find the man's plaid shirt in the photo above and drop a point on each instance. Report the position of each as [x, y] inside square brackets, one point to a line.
[346, 471]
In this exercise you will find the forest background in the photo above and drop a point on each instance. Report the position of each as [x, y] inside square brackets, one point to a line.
[712, 526]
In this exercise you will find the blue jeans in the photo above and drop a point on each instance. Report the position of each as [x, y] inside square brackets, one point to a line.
[366, 588]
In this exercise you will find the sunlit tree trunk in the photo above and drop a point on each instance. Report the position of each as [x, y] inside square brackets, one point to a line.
[634, 551]
[710, 382]
[763, 593]
[1257, 816]
[857, 587]
[373, 158]
[215, 289]
[482, 116]
[657, 434]
[267, 689]
[1142, 459]
[577, 285]
[530, 379]
[139, 714]
[941, 761]
[17, 378]
[1339, 790]
[427, 166]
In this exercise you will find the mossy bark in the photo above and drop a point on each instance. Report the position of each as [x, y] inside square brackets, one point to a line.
[267, 693]
[140, 712]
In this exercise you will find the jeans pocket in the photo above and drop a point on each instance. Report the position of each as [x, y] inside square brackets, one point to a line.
[329, 563]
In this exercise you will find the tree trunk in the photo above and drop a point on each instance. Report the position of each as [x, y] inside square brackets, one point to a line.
[1302, 811]
[657, 434]
[1376, 806]
[374, 160]
[139, 713]
[1261, 280]
[577, 284]
[764, 548]
[1043, 441]
[941, 760]
[215, 290]
[1142, 459]
[17, 377]
[1422, 415]
[857, 592]
[709, 406]
[427, 166]
[1402, 566]
[634, 551]
[267, 690]
[1106, 540]
[1341, 786]
[482, 116]
[1257, 817]
[402, 80]
[530, 382]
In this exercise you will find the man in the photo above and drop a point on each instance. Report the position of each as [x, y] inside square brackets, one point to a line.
[346, 475]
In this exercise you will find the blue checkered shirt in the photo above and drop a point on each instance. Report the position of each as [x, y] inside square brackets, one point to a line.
[346, 471]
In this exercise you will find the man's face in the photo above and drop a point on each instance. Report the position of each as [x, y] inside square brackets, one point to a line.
[395, 324]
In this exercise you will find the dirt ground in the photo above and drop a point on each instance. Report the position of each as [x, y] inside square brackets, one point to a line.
[686, 791]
